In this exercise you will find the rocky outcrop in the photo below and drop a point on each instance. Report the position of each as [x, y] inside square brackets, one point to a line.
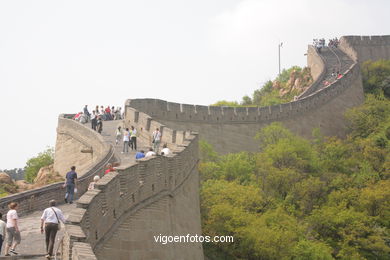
[23, 185]
[47, 175]
[5, 178]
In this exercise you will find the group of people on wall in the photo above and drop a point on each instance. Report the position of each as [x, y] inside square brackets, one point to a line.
[321, 43]
[129, 139]
[98, 116]
[51, 219]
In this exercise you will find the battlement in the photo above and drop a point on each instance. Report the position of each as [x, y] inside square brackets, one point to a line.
[160, 194]
[363, 48]
[122, 193]
[170, 111]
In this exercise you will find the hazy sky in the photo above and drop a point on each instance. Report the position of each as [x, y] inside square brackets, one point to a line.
[57, 56]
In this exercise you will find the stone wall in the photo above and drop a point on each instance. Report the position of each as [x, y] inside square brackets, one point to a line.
[231, 129]
[153, 196]
[315, 63]
[38, 199]
[76, 145]
[363, 48]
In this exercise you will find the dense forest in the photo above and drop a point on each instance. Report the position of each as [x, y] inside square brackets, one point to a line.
[323, 198]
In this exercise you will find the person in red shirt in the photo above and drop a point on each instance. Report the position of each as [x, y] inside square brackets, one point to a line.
[110, 168]
[108, 110]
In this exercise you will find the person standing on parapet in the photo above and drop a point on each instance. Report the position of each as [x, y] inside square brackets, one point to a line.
[70, 184]
[133, 137]
[86, 112]
[156, 139]
[13, 233]
[126, 140]
[51, 218]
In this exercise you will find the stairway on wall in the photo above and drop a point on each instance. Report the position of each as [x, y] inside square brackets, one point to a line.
[335, 60]
[33, 242]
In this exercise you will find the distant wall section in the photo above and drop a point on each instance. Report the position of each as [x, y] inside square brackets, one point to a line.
[231, 129]
[363, 48]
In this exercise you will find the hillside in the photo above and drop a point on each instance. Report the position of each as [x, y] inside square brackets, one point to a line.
[284, 88]
[323, 198]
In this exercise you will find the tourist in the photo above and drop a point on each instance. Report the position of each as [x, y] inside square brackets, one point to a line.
[110, 168]
[102, 113]
[51, 218]
[70, 184]
[13, 233]
[99, 124]
[86, 112]
[118, 135]
[93, 120]
[113, 112]
[150, 153]
[83, 119]
[133, 138]
[165, 151]
[118, 114]
[126, 140]
[91, 185]
[77, 116]
[156, 138]
[339, 76]
[140, 155]
[3, 226]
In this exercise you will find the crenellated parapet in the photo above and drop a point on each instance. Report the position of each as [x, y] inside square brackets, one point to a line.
[363, 48]
[122, 194]
[231, 129]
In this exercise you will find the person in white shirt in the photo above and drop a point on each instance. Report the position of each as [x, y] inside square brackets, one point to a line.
[92, 183]
[156, 139]
[13, 233]
[165, 151]
[150, 153]
[126, 140]
[2, 230]
[118, 134]
[51, 218]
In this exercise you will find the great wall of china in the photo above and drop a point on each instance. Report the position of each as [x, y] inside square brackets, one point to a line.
[161, 195]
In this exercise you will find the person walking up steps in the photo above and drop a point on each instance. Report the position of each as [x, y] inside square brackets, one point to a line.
[156, 138]
[118, 134]
[133, 137]
[13, 233]
[50, 223]
[70, 184]
[126, 139]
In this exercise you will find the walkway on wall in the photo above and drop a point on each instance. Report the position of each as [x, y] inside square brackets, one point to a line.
[335, 60]
[33, 242]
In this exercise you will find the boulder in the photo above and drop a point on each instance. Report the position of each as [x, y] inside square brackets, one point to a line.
[5, 178]
[23, 185]
[47, 175]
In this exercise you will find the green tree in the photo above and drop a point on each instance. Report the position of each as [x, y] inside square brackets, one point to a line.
[224, 103]
[376, 77]
[34, 164]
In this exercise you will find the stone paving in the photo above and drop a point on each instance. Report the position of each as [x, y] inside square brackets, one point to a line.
[33, 242]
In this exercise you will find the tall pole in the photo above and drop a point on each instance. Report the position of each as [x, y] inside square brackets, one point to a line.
[279, 46]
